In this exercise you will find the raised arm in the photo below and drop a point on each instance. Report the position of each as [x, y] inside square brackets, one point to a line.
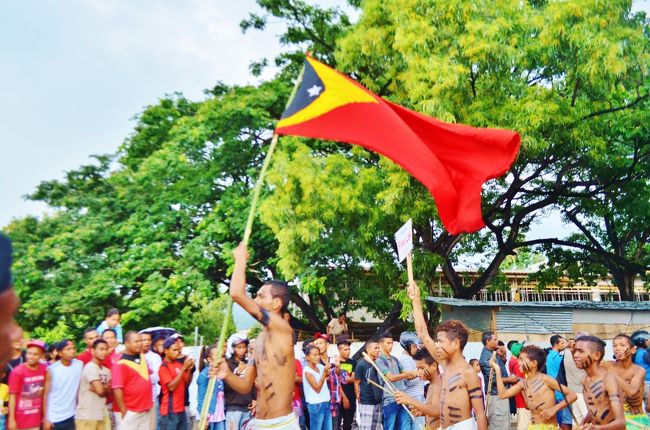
[239, 295]
[504, 393]
[418, 318]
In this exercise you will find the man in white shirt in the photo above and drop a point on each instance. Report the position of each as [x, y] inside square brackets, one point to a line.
[154, 361]
[337, 327]
[61, 387]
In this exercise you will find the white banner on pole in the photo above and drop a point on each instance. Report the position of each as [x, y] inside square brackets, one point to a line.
[404, 240]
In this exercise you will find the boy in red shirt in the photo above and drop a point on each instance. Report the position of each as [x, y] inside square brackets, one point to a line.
[174, 377]
[26, 385]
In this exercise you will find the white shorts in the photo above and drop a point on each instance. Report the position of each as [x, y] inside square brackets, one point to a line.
[288, 422]
[468, 424]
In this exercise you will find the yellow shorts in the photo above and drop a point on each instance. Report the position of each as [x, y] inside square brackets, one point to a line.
[89, 424]
[542, 427]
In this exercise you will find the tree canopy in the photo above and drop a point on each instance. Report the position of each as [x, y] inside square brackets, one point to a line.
[150, 228]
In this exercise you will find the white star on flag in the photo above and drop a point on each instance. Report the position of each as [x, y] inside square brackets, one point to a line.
[314, 91]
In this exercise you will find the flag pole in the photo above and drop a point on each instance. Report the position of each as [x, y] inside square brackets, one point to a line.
[247, 234]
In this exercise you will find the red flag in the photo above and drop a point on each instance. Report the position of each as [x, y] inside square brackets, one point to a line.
[451, 160]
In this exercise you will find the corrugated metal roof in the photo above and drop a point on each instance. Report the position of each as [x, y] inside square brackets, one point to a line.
[575, 304]
[535, 320]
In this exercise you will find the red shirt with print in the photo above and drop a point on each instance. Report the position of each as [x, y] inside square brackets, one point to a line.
[513, 368]
[167, 373]
[28, 385]
[131, 374]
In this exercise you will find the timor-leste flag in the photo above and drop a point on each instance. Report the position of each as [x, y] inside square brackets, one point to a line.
[451, 160]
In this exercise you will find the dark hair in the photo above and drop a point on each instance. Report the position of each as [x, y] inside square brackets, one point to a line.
[130, 333]
[596, 344]
[109, 330]
[111, 312]
[305, 345]
[370, 342]
[280, 290]
[146, 333]
[88, 330]
[50, 350]
[385, 335]
[555, 339]
[456, 330]
[535, 354]
[472, 361]
[98, 342]
[60, 345]
[205, 353]
[626, 337]
[500, 343]
[510, 343]
[310, 348]
[486, 336]
[423, 354]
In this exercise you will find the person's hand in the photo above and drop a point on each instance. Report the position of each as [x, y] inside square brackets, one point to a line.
[240, 368]
[252, 405]
[188, 364]
[220, 370]
[346, 403]
[546, 414]
[337, 361]
[413, 290]
[401, 398]
[414, 374]
[240, 253]
[416, 412]
[425, 375]
[47, 424]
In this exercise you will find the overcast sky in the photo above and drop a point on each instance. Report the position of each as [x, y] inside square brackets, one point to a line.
[75, 72]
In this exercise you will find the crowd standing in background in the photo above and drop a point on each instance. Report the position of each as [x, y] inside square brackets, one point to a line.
[140, 380]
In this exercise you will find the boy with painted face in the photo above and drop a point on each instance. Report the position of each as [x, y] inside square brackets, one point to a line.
[427, 368]
[538, 389]
[629, 376]
[461, 398]
[600, 388]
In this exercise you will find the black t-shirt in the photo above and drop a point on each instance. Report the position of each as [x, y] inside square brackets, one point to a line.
[366, 396]
[347, 370]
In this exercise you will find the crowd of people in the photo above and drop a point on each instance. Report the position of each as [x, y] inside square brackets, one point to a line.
[141, 380]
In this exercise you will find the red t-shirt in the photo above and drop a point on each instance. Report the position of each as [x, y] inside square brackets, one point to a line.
[513, 368]
[28, 385]
[85, 357]
[296, 390]
[109, 362]
[167, 373]
[131, 374]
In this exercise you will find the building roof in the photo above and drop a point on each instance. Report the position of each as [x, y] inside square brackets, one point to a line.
[574, 304]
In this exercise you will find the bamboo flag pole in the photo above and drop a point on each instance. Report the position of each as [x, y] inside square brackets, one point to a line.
[489, 386]
[247, 234]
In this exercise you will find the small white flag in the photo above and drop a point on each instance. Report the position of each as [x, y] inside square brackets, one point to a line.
[404, 240]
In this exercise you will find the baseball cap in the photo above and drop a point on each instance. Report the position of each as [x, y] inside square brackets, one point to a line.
[515, 349]
[169, 342]
[319, 335]
[5, 263]
[38, 344]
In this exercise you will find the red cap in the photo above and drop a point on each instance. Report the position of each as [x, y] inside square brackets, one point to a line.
[319, 335]
[37, 343]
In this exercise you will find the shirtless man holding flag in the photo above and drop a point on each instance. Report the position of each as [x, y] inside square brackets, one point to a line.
[273, 363]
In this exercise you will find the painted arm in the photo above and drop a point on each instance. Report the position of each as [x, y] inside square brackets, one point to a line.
[239, 295]
[476, 400]
[569, 397]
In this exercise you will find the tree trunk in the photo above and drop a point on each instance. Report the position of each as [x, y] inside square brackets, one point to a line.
[389, 322]
[624, 281]
[308, 312]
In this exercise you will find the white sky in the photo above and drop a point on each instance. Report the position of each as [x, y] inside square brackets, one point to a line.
[75, 72]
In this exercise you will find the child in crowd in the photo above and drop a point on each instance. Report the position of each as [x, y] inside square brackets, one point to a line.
[538, 389]
[216, 412]
[600, 388]
[112, 321]
[629, 376]
[430, 408]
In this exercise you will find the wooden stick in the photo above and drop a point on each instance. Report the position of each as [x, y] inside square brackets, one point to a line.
[384, 389]
[392, 389]
[489, 385]
[409, 267]
[635, 424]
